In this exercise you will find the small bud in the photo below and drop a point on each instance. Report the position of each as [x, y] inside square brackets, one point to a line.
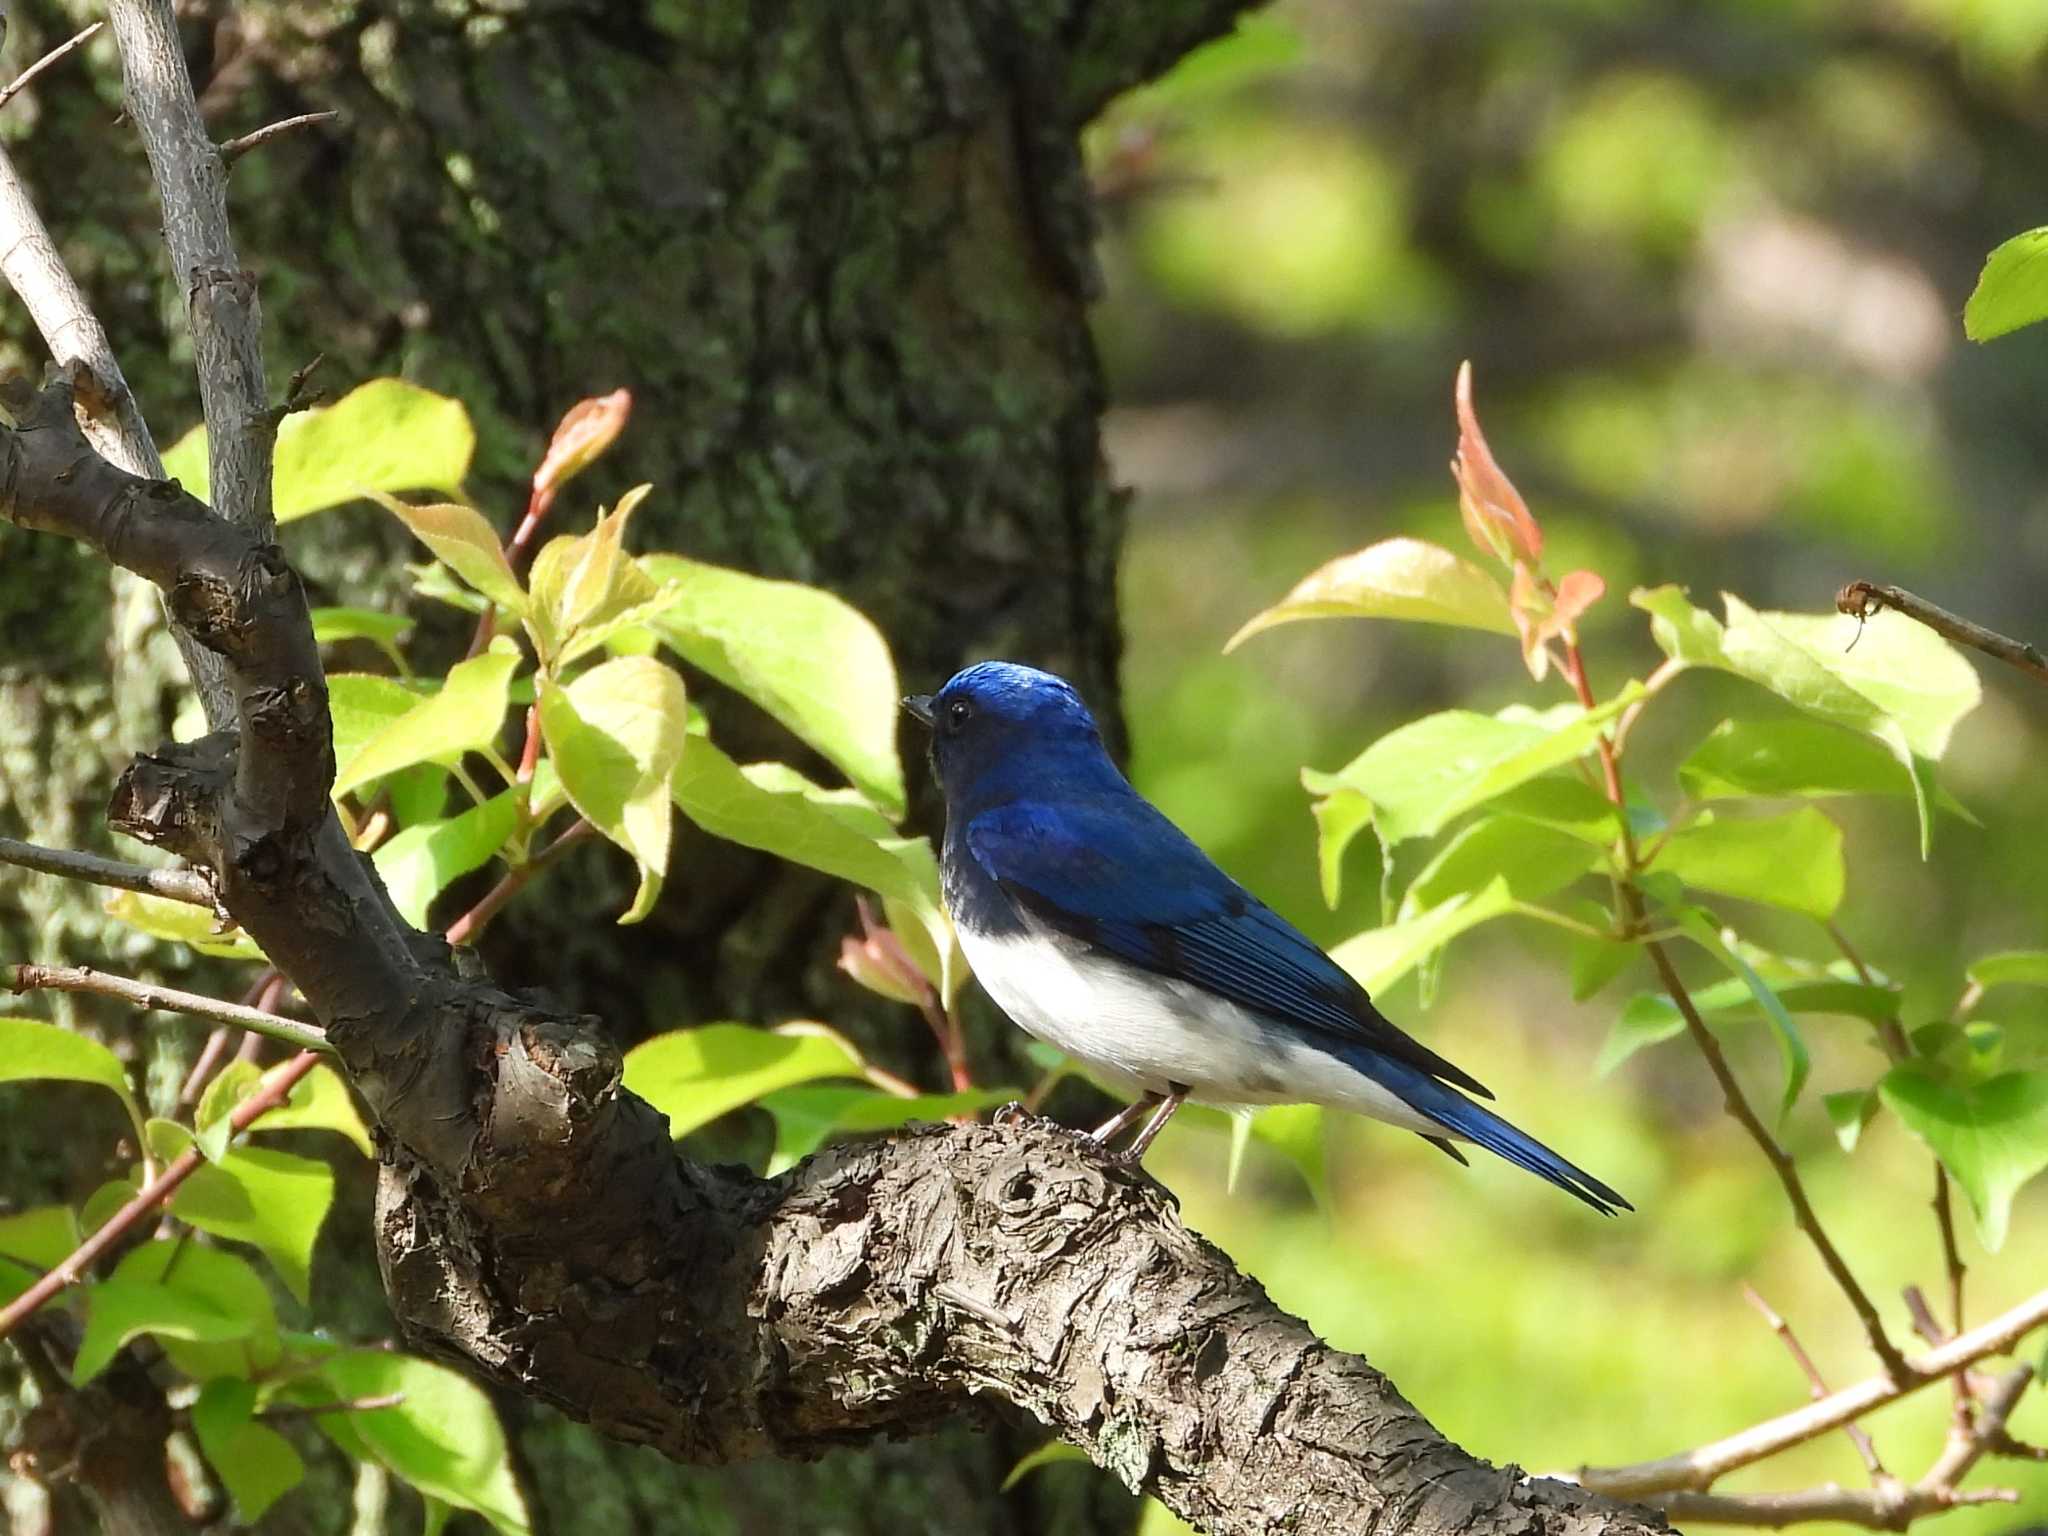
[1542, 614]
[587, 429]
[1496, 517]
[879, 962]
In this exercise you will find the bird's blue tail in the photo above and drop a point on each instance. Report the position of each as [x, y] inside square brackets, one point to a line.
[1482, 1127]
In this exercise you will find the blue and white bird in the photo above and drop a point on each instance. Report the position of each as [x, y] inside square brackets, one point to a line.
[1100, 928]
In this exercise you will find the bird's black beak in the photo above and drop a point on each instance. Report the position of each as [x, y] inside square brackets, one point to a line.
[919, 707]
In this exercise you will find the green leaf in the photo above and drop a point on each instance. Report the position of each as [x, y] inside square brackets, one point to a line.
[585, 588]
[1381, 956]
[33, 1051]
[1340, 817]
[1395, 579]
[1901, 684]
[211, 1125]
[1565, 803]
[770, 807]
[1849, 1113]
[1533, 858]
[442, 1437]
[383, 630]
[1793, 756]
[171, 1290]
[807, 1116]
[319, 1101]
[615, 735]
[1048, 1454]
[386, 435]
[1992, 1136]
[102, 1204]
[1596, 962]
[42, 1235]
[466, 715]
[2024, 967]
[464, 540]
[362, 704]
[1258, 47]
[255, 1463]
[2012, 291]
[419, 862]
[272, 1200]
[1792, 861]
[179, 922]
[1698, 927]
[1427, 773]
[812, 661]
[695, 1075]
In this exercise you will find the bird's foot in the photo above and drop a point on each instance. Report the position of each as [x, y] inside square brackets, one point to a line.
[1012, 1113]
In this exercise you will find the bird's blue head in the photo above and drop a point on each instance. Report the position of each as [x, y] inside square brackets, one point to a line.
[999, 728]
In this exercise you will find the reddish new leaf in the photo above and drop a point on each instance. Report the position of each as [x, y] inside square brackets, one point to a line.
[1496, 517]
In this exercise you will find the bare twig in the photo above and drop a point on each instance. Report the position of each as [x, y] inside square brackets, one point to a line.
[220, 297]
[65, 978]
[1860, 599]
[1944, 1216]
[1701, 1467]
[186, 885]
[67, 1273]
[1816, 1383]
[56, 55]
[1925, 1323]
[233, 149]
[1869, 1507]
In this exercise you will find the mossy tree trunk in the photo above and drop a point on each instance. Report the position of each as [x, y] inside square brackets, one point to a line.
[840, 254]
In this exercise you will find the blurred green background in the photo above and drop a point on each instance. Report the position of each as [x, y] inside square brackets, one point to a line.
[1709, 262]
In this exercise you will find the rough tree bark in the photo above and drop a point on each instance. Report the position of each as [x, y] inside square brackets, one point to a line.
[535, 1224]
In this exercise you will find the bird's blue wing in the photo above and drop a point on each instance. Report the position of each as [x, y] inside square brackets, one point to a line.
[1125, 879]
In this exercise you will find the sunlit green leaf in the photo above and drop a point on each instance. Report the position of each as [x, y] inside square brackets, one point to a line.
[1394, 579]
[585, 587]
[1425, 774]
[441, 1436]
[1048, 1454]
[695, 1075]
[1698, 927]
[386, 435]
[465, 541]
[42, 1235]
[782, 813]
[616, 735]
[419, 862]
[319, 1101]
[1566, 803]
[1258, 47]
[1991, 1136]
[272, 1200]
[1794, 756]
[1792, 861]
[809, 1115]
[2012, 291]
[179, 922]
[172, 1290]
[383, 630]
[2024, 967]
[1340, 817]
[363, 703]
[1533, 858]
[1381, 956]
[467, 714]
[256, 1463]
[212, 1126]
[33, 1051]
[809, 659]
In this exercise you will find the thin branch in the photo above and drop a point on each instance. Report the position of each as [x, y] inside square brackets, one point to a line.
[220, 297]
[1860, 599]
[55, 56]
[67, 1273]
[233, 149]
[1636, 919]
[187, 885]
[1944, 1216]
[1816, 1383]
[466, 927]
[1871, 1507]
[1702, 1467]
[65, 978]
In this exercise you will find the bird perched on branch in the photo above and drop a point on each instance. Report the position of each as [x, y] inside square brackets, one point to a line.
[1100, 928]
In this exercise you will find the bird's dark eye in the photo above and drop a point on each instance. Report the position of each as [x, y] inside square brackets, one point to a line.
[958, 713]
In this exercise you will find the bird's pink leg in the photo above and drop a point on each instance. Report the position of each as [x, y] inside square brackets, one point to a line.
[1173, 1101]
[1121, 1121]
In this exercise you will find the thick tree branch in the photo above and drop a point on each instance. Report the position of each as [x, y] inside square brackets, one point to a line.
[220, 297]
[535, 1222]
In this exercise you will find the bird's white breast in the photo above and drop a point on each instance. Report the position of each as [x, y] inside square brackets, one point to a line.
[1147, 1033]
